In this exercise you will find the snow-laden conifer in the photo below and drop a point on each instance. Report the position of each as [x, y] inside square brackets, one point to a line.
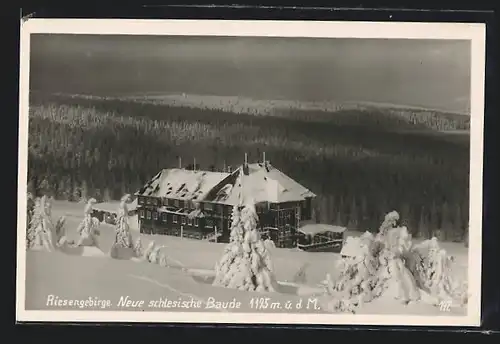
[246, 262]
[433, 271]
[41, 234]
[147, 252]
[88, 229]
[123, 238]
[138, 249]
[123, 246]
[390, 264]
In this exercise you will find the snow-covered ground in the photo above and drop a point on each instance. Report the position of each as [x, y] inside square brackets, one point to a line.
[191, 264]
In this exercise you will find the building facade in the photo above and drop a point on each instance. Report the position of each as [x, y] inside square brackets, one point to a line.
[199, 204]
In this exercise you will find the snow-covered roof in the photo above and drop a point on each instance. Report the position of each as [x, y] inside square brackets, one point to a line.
[313, 229]
[263, 183]
[112, 207]
[182, 184]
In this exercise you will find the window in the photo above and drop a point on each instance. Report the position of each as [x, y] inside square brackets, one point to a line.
[164, 217]
[196, 222]
[209, 206]
[165, 202]
[148, 215]
[183, 220]
[142, 214]
[155, 215]
[148, 201]
[141, 200]
[190, 221]
[174, 218]
[209, 223]
[176, 202]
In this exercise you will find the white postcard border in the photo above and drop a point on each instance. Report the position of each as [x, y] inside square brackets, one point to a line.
[313, 29]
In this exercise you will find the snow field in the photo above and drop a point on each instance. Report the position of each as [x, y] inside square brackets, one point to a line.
[189, 275]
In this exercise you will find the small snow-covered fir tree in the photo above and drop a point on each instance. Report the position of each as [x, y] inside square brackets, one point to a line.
[35, 218]
[433, 271]
[123, 237]
[60, 231]
[88, 229]
[42, 232]
[246, 263]
[30, 206]
[149, 249]
[154, 254]
[122, 247]
[358, 280]
[138, 250]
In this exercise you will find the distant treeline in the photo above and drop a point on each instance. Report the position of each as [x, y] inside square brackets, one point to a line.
[80, 148]
[386, 117]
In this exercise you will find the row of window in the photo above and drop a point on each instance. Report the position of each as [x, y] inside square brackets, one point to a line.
[184, 220]
[206, 206]
[178, 203]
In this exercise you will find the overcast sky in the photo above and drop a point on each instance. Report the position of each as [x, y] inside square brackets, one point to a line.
[430, 73]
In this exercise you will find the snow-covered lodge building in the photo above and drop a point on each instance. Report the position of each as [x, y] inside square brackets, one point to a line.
[198, 204]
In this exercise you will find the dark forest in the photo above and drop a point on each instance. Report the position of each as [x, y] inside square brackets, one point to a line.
[362, 163]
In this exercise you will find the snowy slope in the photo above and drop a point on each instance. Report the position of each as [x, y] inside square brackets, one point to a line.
[81, 277]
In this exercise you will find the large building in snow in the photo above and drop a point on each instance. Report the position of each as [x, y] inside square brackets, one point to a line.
[198, 204]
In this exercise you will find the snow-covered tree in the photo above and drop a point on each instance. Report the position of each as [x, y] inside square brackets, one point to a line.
[123, 237]
[138, 250]
[246, 263]
[432, 268]
[30, 207]
[269, 244]
[122, 247]
[390, 264]
[153, 254]
[148, 250]
[42, 231]
[88, 229]
[34, 223]
[60, 231]
[358, 280]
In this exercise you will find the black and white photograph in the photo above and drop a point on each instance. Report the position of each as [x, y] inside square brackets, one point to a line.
[250, 172]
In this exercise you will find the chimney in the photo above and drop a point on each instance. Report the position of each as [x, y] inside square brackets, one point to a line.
[246, 159]
[229, 169]
[224, 168]
[180, 162]
[264, 158]
[194, 163]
